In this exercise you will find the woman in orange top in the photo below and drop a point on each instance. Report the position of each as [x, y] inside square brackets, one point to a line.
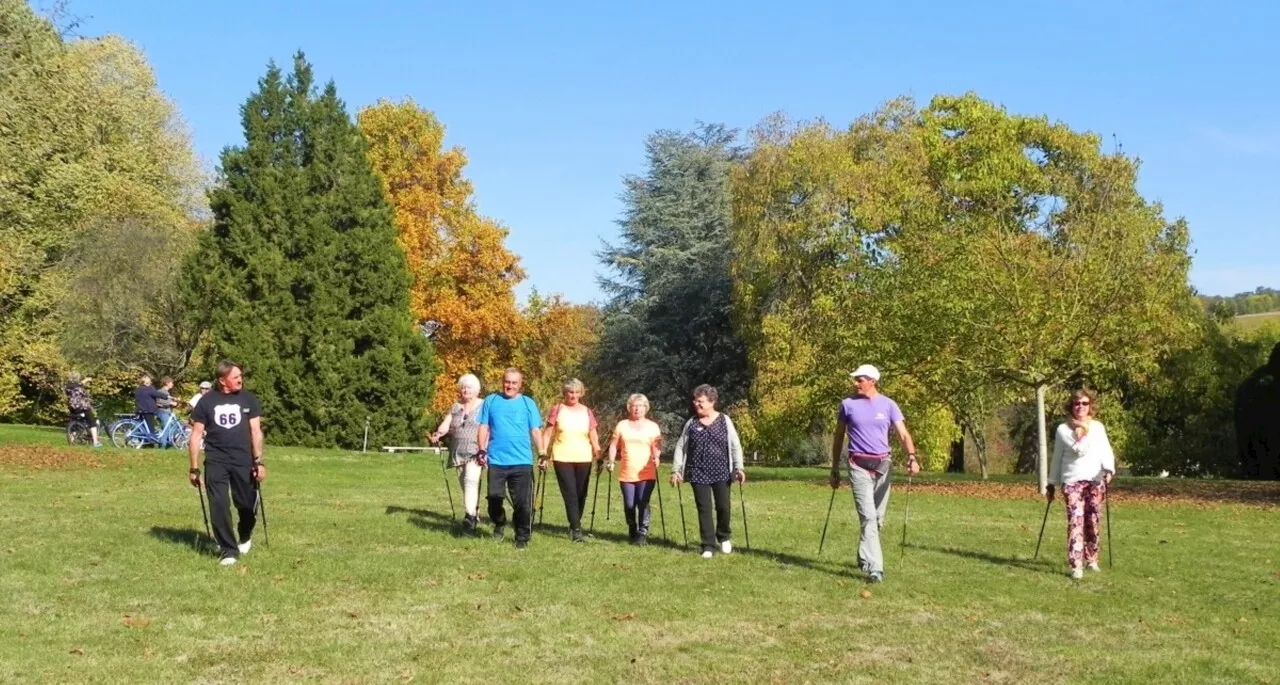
[574, 444]
[639, 441]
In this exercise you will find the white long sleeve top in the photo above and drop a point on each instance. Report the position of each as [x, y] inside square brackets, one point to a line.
[1083, 459]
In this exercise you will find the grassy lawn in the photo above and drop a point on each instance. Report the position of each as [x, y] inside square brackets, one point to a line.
[365, 580]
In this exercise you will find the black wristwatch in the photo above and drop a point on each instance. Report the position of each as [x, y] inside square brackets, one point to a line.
[194, 472]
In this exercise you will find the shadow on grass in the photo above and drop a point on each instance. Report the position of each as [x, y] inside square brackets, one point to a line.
[1045, 566]
[188, 537]
[427, 519]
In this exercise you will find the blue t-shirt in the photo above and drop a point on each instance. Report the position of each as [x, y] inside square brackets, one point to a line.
[868, 421]
[509, 422]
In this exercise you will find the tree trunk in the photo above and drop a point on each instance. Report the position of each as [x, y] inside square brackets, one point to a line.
[1042, 458]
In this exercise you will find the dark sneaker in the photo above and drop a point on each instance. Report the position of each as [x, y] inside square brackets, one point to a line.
[576, 536]
[642, 540]
[522, 544]
[877, 577]
[499, 532]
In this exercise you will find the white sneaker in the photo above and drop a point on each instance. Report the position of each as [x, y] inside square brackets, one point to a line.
[1077, 573]
[1093, 566]
[227, 561]
[726, 547]
[706, 554]
[245, 546]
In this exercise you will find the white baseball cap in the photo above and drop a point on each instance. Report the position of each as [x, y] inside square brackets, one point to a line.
[205, 385]
[866, 370]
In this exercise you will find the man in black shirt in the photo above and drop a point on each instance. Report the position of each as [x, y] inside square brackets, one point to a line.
[228, 420]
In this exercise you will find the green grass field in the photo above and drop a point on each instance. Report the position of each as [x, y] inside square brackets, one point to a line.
[1248, 322]
[366, 580]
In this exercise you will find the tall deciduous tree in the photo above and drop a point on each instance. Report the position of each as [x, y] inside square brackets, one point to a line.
[463, 276]
[974, 250]
[668, 324]
[559, 338]
[301, 276]
[86, 141]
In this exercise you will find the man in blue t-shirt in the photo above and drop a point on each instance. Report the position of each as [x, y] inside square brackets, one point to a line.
[510, 433]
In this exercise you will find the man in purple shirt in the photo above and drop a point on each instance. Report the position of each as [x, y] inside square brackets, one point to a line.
[862, 441]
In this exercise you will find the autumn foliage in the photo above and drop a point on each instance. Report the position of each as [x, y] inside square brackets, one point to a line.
[463, 275]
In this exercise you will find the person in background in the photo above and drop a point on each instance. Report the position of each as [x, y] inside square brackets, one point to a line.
[637, 442]
[1083, 464]
[708, 456]
[166, 401]
[205, 387]
[573, 441]
[461, 425]
[146, 399]
[81, 405]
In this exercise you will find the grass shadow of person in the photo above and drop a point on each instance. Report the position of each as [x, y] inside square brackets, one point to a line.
[189, 537]
[1036, 566]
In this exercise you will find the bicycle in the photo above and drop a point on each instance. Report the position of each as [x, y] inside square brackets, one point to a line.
[136, 433]
[79, 426]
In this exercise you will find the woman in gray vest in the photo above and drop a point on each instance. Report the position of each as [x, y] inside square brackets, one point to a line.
[461, 427]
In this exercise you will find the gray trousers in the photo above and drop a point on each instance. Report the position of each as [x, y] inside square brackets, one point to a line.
[870, 499]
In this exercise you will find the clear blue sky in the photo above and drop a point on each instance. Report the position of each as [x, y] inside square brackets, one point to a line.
[552, 100]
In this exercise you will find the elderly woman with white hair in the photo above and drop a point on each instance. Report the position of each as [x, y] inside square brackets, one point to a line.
[573, 440]
[463, 431]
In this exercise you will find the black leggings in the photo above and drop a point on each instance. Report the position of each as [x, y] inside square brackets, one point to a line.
[718, 530]
[573, 479]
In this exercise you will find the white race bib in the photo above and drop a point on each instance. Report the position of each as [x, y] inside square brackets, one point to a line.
[227, 415]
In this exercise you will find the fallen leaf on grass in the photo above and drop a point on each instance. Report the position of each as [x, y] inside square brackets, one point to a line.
[78, 651]
[431, 582]
[624, 617]
[1242, 619]
[865, 594]
[478, 575]
[243, 570]
[353, 614]
[135, 621]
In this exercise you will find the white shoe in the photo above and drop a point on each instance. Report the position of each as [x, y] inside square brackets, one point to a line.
[245, 546]
[1077, 573]
[1093, 566]
[706, 554]
[726, 547]
[227, 561]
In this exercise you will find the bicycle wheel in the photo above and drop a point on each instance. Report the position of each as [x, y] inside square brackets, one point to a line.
[126, 434]
[78, 433]
[180, 437]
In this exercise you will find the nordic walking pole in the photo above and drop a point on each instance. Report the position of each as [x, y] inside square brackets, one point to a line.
[683, 530]
[1047, 504]
[906, 513]
[827, 522]
[262, 507]
[662, 512]
[595, 497]
[444, 471]
[1106, 501]
[204, 515]
[542, 497]
[742, 500]
[608, 502]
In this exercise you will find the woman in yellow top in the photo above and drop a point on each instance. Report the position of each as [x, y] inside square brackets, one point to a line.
[574, 443]
[639, 442]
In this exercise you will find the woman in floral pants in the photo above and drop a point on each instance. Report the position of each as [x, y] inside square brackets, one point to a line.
[1083, 464]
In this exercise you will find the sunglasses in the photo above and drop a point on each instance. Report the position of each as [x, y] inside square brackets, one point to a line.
[1083, 403]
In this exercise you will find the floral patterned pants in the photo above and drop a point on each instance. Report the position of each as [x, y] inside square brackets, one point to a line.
[1084, 504]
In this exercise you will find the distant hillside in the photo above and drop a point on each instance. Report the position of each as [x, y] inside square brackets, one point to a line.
[1260, 301]
[1248, 322]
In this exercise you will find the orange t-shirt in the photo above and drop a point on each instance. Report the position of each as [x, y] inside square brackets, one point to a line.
[636, 458]
[572, 442]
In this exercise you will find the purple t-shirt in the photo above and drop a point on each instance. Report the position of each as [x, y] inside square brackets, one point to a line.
[868, 421]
